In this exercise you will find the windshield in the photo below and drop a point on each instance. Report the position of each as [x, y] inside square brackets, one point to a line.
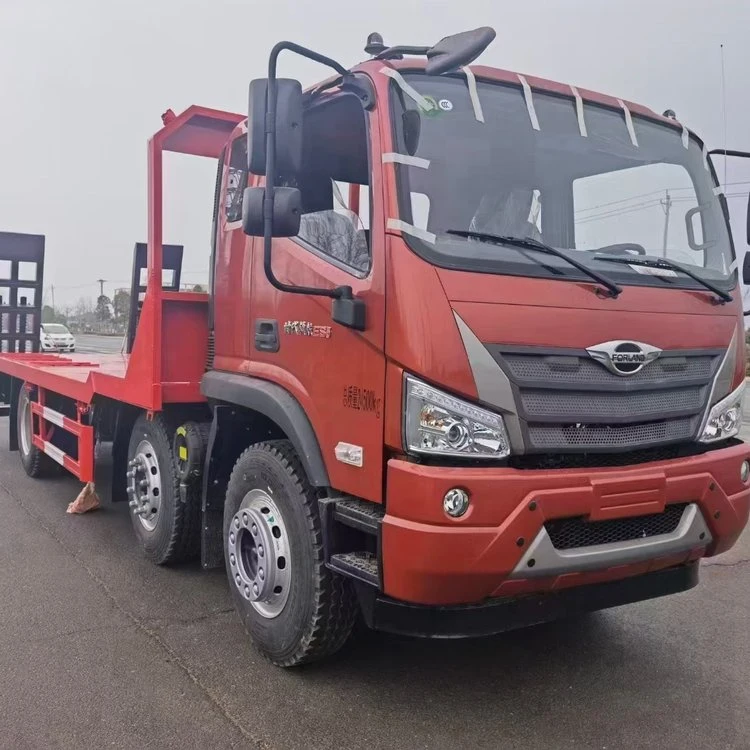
[578, 181]
[54, 328]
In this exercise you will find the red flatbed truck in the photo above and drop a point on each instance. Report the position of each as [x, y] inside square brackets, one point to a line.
[449, 373]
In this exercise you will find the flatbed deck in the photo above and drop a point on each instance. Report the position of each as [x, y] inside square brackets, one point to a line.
[78, 376]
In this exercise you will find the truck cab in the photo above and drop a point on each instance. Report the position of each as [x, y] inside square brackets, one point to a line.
[492, 375]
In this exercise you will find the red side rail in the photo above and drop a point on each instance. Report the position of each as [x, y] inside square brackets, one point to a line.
[43, 428]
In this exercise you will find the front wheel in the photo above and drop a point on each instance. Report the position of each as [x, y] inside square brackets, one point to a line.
[294, 608]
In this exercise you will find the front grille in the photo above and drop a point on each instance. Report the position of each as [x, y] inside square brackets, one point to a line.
[569, 533]
[548, 369]
[598, 436]
[570, 403]
[583, 406]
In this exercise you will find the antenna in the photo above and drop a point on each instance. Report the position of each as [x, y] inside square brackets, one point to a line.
[724, 110]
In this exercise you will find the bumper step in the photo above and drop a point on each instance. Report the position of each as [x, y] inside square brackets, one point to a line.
[359, 514]
[360, 565]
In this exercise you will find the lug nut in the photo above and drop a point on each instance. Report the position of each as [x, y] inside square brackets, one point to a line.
[260, 550]
[261, 574]
[255, 589]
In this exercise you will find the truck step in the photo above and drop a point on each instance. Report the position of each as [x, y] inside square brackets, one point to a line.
[359, 514]
[360, 565]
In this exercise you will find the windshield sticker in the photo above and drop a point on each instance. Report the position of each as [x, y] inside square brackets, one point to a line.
[529, 102]
[579, 112]
[446, 105]
[433, 108]
[629, 122]
[685, 137]
[422, 101]
[705, 158]
[471, 82]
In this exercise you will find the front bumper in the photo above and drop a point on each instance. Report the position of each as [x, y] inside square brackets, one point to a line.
[501, 615]
[431, 559]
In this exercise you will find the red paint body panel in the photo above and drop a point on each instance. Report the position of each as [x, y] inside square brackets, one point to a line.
[483, 551]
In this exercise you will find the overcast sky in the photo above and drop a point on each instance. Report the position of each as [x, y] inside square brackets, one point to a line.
[83, 84]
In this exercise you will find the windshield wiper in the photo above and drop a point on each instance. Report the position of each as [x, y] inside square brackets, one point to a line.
[653, 262]
[613, 290]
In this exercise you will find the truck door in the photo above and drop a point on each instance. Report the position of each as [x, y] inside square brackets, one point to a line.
[231, 279]
[336, 373]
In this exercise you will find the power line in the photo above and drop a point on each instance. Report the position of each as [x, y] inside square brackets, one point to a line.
[645, 195]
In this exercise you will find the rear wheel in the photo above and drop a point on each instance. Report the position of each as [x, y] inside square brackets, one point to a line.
[167, 528]
[35, 462]
[293, 607]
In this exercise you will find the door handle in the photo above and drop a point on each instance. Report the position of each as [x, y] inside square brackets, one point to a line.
[266, 335]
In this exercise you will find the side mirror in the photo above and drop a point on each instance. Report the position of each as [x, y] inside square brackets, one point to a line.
[746, 269]
[288, 126]
[287, 211]
[458, 50]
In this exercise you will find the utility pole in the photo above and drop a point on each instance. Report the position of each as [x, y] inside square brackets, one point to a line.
[101, 286]
[667, 206]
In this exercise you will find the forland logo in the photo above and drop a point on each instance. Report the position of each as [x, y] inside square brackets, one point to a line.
[624, 357]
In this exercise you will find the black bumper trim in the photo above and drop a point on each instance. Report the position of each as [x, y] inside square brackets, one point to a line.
[500, 615]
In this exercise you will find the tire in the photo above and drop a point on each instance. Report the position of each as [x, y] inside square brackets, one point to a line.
[169, 530]
[35, 462]
[302, 612]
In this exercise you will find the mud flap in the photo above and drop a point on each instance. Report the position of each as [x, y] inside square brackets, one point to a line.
[215, 478]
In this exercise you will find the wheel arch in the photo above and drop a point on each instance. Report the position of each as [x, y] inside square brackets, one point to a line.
[277, 408]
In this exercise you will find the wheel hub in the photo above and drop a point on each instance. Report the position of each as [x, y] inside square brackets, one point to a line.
[258, 553]
[144, 485]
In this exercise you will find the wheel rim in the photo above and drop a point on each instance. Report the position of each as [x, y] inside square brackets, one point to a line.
[25, 435]
[144, 485]
[258, 553]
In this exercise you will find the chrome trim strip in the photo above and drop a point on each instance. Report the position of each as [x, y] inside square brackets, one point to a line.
[722, 380]
[493, 385]
[549, 561]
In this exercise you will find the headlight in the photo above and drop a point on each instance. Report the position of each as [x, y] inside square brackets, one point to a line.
[725, 419]
[439, 424]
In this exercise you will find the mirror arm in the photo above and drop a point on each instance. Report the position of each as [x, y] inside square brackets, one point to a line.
[399, 51]
[268, 196]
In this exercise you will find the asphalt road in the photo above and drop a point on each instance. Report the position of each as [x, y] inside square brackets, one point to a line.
[99, 648]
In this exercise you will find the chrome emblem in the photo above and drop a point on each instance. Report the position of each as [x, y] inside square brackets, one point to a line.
[624, 357]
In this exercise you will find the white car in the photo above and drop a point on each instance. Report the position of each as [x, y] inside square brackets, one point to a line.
[54, 337]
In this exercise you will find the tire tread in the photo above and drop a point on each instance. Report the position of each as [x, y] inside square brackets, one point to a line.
[335, 607]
